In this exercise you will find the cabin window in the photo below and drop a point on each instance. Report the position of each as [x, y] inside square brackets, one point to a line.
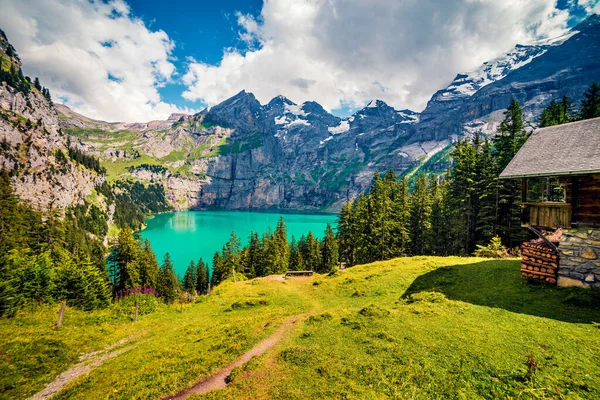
[546, 190]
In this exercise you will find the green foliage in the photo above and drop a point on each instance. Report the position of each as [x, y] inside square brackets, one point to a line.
[590, 105]
[86, 160]
[558, 113]
[147, 304]
[133, 201]
[494, 249]
[168, 286]
[46, 257]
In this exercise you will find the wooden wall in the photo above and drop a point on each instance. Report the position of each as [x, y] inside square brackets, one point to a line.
[584, 193]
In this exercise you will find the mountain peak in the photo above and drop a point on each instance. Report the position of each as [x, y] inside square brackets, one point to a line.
[280, 100]
[376, 104]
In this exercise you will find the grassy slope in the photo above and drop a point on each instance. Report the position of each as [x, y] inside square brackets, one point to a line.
[416, 327]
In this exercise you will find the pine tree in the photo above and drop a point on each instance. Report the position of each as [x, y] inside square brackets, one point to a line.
[254, 260]
[362, 230]
[219, 270]
[419, 221]
[312, 258]
[168, 284]
[296, 260]
[281, 253]
[329, 251]
[506, 145]
[201, 277]
[399, 216]
[190, 279]
[345, 237]
[127, 256]
[36, 83]
[148, 266]
[381, 206]
[590, 105]
[231, 254]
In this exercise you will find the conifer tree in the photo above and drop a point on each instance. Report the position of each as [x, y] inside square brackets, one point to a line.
[362, 230]
[201, 277]
[190, 279]
[219, 270]
[281, 251]
[168, 284]
[419, 222]
[506, 145]
[380, 207]
[128, 253]
[329, 251]
[148, 266]
[590, 105]
[399, 215]
[254, 260]
[312, 258]
[231, 254]
[345, 237]
[296, 260]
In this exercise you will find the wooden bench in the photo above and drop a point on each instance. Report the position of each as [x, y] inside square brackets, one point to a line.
[298, 273]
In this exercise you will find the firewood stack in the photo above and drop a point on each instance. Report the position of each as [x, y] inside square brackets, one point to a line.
[539, 261]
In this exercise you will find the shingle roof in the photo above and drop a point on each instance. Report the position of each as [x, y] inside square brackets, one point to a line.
[569, 149]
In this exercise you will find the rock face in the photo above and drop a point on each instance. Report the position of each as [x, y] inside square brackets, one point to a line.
[579, 263]
[31, 142]
[241, 154]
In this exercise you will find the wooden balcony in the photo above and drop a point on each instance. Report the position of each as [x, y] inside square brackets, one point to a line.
[546, 215]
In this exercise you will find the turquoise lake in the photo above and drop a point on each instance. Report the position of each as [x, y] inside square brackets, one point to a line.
[189, 235]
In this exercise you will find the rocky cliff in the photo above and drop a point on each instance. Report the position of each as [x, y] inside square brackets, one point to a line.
[33, 147]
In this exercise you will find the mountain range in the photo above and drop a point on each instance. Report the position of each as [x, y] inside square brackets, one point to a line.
[242, 154]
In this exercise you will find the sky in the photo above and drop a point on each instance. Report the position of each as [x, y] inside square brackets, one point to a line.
[139, 60]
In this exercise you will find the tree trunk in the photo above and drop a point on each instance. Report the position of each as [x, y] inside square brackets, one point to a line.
[60, 314]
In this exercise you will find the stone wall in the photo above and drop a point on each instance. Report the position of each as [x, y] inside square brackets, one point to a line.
[580, 258]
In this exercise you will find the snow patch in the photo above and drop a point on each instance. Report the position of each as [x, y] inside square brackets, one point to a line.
[298, 122]
[294, 109]
[344, 126]
[281, 120]
[372, 104]
[326, 140]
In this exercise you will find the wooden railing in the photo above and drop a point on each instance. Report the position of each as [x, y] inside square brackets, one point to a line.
[546, 215]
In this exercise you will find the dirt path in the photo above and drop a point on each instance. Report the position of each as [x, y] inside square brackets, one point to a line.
[219, 379]
[86, 363]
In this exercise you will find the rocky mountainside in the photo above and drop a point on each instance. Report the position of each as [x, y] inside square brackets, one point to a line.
[534, 75]
[33, 148]
[242, 154]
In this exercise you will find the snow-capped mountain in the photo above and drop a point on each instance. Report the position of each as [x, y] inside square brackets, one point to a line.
[468, 83]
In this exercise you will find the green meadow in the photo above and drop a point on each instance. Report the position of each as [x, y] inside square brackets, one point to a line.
[420, 327]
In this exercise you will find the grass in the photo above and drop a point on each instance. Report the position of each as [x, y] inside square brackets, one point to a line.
[421, 327]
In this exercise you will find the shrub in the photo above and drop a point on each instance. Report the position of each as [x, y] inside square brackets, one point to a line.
[147, 299]
[494, 249]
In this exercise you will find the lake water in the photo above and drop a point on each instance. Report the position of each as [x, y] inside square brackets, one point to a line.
[189, 235]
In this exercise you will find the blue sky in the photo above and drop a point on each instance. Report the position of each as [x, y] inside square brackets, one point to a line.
[183, 55]
[201, 29]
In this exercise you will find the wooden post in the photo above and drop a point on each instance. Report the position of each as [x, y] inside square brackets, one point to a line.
[60, 314]
[524, 190]
[136, 310]
[574, 200]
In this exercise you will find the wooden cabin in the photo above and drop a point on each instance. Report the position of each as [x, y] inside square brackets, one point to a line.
[559, 168]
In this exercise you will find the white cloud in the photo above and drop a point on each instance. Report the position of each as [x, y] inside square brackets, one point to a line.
[346, 52]
[591, 6]
[75, 45]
